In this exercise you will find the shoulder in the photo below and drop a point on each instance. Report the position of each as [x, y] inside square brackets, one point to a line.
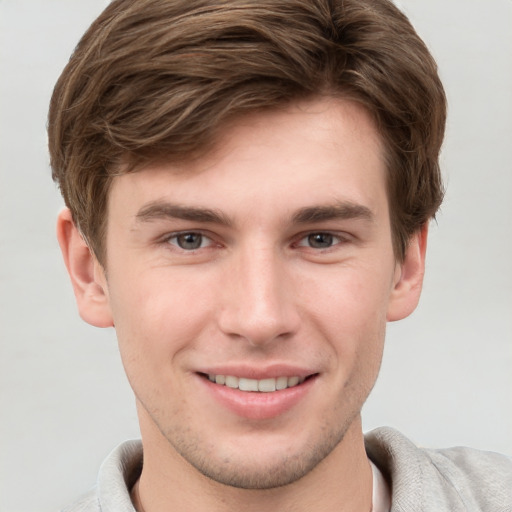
[451, 479]
[116, 477]
[487, 475]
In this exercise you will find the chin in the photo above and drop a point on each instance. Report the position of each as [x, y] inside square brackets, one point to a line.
[240, 468]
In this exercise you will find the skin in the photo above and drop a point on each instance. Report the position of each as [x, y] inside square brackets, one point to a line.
[294, 271]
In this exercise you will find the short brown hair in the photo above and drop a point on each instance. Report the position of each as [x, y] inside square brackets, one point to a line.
[157, 79]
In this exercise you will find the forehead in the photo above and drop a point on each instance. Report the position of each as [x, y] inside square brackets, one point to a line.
[327, 149]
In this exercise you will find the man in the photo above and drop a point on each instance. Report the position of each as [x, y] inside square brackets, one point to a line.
[249, 187]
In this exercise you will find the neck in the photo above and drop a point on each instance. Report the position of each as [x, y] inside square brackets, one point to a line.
[342, 482]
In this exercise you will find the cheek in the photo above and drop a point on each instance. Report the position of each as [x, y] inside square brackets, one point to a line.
[351, 317]
[157, 321]
[156, 315]
[349, 303]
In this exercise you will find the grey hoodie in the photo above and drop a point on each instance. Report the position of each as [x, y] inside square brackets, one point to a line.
[450, 480]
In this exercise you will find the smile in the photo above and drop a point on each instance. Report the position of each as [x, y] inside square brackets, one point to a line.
[263, 385]
[259, 399]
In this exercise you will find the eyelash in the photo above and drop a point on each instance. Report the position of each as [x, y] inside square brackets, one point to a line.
[333, 240]
[168, 239]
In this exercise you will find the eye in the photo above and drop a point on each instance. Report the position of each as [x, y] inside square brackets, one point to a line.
[320, 240]
[189, 241]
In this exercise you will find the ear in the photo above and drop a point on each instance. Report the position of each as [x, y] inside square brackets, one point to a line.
[86, 273]
[408, 279]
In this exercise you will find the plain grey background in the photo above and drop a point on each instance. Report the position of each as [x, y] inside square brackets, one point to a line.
[446, 377]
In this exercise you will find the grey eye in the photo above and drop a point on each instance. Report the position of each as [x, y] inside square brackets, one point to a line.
[189, 241]
[320, 240]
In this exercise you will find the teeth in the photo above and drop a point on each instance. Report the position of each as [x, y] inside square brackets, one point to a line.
[293, 381]
[263, 385]
[247, 384]
[281, 383]
[267, 385]
[231, 382]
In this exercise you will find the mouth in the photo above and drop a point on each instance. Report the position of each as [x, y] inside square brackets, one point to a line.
[269, 385]
[259, 399]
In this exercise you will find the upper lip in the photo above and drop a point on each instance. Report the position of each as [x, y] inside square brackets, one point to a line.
[258, 373]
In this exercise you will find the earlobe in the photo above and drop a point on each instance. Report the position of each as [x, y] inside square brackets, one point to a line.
[408, 281]
[86, 273]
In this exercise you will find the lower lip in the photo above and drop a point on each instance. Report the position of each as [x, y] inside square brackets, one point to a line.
[256, 405]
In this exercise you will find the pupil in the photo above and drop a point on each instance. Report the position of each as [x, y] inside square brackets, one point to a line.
[320, 240]
[190, 241]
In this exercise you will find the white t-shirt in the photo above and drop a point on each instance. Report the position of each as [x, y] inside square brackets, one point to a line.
[381, 494]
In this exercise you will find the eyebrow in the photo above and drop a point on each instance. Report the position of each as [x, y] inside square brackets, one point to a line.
[311, 214]
[163, 210]
[338, 211]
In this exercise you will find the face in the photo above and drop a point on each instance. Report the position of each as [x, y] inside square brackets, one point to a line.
[250, 291]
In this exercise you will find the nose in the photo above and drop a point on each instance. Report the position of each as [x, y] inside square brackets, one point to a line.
[258, 302]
